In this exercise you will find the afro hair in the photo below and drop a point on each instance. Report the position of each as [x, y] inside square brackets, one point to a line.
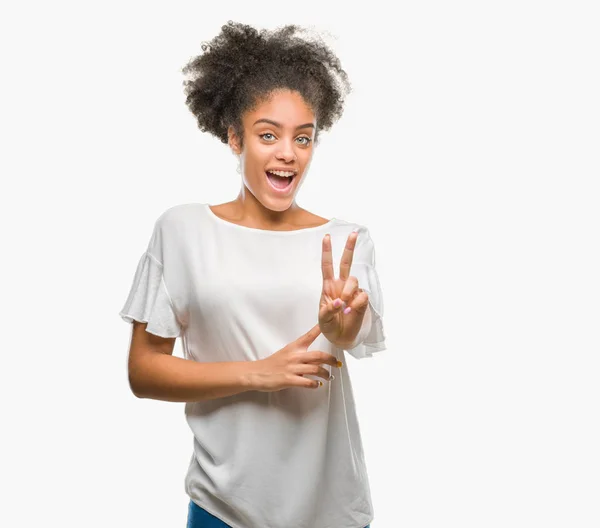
[242, 66]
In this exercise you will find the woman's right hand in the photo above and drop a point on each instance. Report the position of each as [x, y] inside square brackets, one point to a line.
[287, 367]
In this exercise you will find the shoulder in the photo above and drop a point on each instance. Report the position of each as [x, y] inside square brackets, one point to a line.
[173, 230]
[364, 250]
[179, 215]
[345, 227]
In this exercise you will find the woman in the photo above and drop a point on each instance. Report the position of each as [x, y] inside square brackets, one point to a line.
[266, 296]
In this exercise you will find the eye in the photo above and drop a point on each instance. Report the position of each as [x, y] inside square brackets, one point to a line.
[307, 141]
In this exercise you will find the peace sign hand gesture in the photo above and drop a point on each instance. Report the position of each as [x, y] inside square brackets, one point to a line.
[343, 304]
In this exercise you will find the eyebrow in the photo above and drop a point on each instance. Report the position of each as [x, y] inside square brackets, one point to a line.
[275, 123]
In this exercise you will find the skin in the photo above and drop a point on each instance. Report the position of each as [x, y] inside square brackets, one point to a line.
[266, 146]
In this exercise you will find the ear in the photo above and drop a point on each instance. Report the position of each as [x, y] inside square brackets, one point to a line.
[233, 140]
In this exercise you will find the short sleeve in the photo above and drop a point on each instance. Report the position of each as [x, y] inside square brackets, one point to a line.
[148, 300]
[371, 338]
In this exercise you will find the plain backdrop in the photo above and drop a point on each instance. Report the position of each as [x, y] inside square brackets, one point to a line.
[468, 147]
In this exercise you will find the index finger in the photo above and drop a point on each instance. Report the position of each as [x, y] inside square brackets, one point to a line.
[346, 261]
[312, 334]
[327, 259]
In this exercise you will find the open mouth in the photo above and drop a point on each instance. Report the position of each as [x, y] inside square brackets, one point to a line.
[280, 183]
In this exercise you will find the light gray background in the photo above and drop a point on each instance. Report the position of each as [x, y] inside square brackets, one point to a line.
[469, 147]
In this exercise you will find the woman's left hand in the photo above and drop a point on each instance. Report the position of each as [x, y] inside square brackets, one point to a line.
[340, 324]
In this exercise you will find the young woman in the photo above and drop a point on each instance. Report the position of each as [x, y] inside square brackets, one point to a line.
[266, 296]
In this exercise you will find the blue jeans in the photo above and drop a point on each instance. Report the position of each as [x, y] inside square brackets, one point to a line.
[200, 518]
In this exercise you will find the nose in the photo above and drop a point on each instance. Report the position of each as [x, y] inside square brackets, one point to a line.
[286, 153]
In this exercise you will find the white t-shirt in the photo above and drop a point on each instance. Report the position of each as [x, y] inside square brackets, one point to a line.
[285, 459]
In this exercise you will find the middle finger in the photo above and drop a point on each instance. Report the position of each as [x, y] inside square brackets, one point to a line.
[346, 261]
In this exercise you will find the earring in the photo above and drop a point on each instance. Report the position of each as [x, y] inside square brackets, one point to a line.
[239, 167]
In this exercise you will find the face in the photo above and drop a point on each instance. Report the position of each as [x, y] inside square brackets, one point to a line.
[278, 136]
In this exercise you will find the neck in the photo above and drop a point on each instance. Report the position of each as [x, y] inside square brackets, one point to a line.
[248, 209]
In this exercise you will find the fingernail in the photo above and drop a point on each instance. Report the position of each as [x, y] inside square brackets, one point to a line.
[347, 310]
[339, 363]
[337, 303]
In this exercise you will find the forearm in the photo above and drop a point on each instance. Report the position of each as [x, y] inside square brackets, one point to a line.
[170, 378]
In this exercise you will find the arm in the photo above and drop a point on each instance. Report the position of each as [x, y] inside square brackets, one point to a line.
[156, 374]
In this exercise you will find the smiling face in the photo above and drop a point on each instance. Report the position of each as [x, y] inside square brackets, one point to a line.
[278, 136]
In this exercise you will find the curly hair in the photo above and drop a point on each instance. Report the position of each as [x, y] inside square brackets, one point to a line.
[242, 66]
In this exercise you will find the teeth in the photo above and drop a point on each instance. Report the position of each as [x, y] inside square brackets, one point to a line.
[283, 174]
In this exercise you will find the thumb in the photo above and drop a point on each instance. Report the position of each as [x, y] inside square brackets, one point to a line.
[329, 310]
